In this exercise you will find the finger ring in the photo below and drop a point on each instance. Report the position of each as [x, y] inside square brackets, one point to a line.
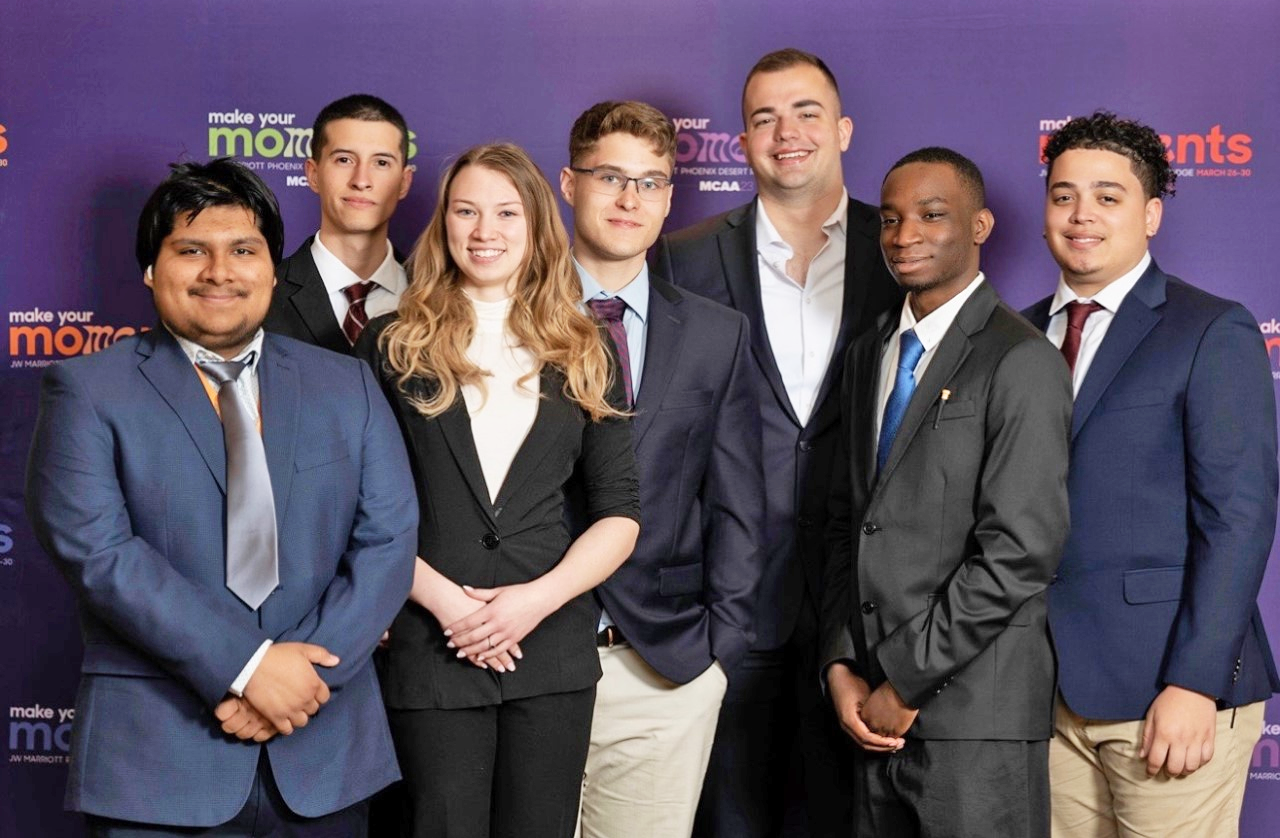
[490, 639]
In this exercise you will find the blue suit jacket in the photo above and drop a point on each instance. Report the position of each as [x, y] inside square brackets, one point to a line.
[126, 490]
[686, 597]
[1173, 507]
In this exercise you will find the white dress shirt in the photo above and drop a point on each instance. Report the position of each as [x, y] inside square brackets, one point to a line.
[1095, 328]
[389, 281]
[801, 321]
[929, 331]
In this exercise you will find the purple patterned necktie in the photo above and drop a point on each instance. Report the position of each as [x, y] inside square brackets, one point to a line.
[610, 312]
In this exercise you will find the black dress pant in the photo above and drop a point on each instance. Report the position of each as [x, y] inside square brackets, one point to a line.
[956, 789]
[780, 765]
[510, 770]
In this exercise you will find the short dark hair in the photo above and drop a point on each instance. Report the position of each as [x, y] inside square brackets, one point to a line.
[365, 108]
[968, 172]
[1148, 157]
[194, 187]
[642, 121]
[785, 59]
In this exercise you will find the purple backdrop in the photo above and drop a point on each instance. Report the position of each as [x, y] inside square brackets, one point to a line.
[96, 99]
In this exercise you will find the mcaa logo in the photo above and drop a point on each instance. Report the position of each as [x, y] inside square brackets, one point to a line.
[1211, 154]
[712, 159]
[40, 337]
[269, 135]
[39, 734]
[1271, 333]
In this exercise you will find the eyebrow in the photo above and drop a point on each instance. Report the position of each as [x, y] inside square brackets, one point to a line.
[1097, 184]
[803, 103]
[473, 203]
[258, 240]
[650, 173]
[353, 152]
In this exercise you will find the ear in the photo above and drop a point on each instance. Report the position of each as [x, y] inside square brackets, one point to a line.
[406, 180]
[845, 128]
[148, 277]
[1155, 212]
[309, 169]
[983, 223]
[567, 184]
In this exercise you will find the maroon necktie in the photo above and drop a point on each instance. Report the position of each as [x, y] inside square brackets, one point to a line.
[1077, 313]
[356, 319]
[610, 311]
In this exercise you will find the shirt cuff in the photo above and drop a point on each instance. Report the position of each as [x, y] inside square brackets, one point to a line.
[242, 680]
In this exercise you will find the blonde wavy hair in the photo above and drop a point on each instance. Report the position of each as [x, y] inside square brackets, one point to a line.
[436, 321]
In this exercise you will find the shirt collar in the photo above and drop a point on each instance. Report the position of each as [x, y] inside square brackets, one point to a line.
[335, 275]
[1110, 297]
[635, 293]
[196, 353]
[768, 237]
[934, 325]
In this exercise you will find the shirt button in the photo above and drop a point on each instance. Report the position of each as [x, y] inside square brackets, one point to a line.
[490, 541]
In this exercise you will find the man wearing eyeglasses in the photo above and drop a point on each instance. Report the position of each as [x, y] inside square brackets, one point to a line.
[802, 261]
[677, 615]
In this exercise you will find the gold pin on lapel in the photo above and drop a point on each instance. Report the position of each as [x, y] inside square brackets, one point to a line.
[943, 398]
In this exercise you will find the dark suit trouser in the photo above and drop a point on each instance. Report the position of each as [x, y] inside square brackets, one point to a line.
[955, 789]
[775, 723]
[264, 814]
[510, 770]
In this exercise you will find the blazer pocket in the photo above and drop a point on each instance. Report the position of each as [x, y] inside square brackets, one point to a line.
[1160, 584]
[681, 579]
[320, 455]
[953, 409]
[687, 398]
[1127, 400]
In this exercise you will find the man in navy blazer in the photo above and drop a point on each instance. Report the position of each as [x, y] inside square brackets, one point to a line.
[196, 708]
[1163, 662]
[802, 262]
[677, 615]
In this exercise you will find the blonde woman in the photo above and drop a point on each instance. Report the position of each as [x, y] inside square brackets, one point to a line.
[505, 391]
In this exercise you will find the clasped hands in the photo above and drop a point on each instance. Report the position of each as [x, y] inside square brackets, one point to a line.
[876, 719]
[283, 694]
[487, 624]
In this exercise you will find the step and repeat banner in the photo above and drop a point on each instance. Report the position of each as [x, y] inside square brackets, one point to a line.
[96, 99]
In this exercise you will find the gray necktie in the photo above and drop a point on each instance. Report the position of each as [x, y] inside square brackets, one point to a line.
[252, 569]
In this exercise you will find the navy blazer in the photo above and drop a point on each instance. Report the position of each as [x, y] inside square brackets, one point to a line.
[717, 259]
[1173, 507]
[686, 597]
[126, 491]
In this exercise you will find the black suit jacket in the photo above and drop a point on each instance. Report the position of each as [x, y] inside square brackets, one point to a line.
[300, 305]
[686, 596]
[717, 259]
[520, 537]
[938, 567]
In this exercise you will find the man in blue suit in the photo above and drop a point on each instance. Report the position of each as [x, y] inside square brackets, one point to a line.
[227, 590]
[1163, 663]
[677, 616]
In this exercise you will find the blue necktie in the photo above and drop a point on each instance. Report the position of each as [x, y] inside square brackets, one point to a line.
[909, 352]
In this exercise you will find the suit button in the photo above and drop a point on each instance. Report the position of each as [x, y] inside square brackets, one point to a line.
[870, 529]
[806, 445]
[490, 541]
[1053, 578]
[805, 521]
[868, 607]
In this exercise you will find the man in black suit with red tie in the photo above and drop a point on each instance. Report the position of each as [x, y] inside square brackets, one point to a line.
[347, 273]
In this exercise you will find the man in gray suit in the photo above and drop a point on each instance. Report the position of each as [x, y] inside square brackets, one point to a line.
[948, 518]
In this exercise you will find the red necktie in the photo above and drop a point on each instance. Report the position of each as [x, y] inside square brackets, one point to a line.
[610, 312]
[1077, 313]
[356, 318]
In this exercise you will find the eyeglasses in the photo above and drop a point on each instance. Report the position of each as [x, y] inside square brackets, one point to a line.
[612, 182]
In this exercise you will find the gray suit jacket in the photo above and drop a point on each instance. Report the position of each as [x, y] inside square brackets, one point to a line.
[938, 566]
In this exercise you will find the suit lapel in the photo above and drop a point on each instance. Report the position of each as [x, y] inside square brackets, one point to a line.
[742, 275]
[307, 294]
[664, 340]
[553, 417]
[455, 426]
[866, 363]
[950, 354]
[167, 368]
[1137, 316]
[280, 401]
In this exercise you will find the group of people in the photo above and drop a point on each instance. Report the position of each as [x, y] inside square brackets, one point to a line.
[572, 539]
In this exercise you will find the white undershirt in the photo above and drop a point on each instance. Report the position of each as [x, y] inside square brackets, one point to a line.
[801, 321]
[1095, 328]
[389, 281]
[503, 411]
[929, 330]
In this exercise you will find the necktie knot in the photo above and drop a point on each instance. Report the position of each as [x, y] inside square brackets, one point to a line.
[1078, 313]
[610, 310]
[224, 372]
[910, 349]
[356, 318]
[357, 291]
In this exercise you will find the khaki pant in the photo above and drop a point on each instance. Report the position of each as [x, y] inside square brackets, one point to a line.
[650, 742]
[1099, 785]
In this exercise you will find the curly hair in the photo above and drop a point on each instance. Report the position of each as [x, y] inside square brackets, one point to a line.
[1147, 154]
[436, 321]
